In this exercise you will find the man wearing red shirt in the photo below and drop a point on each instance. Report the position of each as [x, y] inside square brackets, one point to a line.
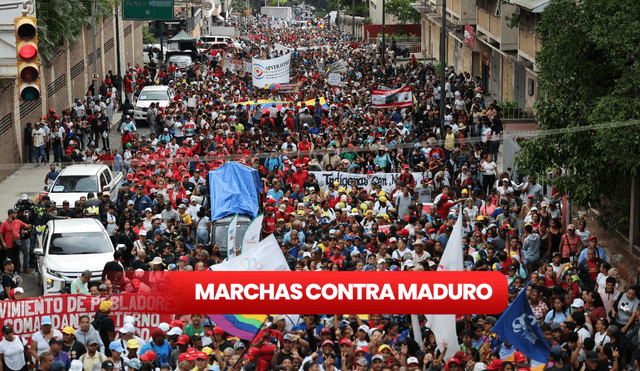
[10, 230]
[269, 222]
[253, 355]
[300, 176]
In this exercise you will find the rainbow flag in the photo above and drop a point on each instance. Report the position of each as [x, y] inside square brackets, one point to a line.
[243, 326]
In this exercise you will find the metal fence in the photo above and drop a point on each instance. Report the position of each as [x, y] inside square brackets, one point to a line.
[517, 112]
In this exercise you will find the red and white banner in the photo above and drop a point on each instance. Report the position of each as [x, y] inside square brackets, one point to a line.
[397, 98]
[65, 310]
[469, 37]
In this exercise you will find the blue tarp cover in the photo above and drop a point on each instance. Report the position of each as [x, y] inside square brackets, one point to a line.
[234, 189]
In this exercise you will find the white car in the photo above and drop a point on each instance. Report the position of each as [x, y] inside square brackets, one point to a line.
[68, 247]
[77, 181]
[159, 94]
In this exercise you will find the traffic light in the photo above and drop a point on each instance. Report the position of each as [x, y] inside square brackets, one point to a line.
[27, 55]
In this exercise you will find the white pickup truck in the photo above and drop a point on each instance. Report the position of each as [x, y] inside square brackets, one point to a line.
[78, 180]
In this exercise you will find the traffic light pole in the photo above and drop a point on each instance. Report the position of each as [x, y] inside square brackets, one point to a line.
[95, 55]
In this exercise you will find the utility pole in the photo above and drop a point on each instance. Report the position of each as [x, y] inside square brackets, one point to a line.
[95, 55]
[118, 55]
[353, 18]
[443, 51]
[161, 57]
[382, 46]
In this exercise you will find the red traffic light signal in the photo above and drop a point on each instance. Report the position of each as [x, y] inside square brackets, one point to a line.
[27, 57]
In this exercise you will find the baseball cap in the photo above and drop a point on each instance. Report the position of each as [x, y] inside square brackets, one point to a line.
[495, 364]
[252, 353]
[183, 339]
[107, 365]
[412, 360]
[68, 330]
[133, 344]
[377, 356]
[578, 303]
[157, 332]
[45, 320]
[175, 331]
[117, 346]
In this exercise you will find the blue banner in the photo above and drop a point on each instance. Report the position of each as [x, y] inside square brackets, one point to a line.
[519, 327]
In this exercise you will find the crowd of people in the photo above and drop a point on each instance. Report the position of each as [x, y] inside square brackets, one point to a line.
[588, 315]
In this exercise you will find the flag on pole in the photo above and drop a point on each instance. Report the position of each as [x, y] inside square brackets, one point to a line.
[519, 327]
[251, 235]
[231, 237]
[243, 326]
[441, 325]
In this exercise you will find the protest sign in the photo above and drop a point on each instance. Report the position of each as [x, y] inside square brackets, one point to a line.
[362, 180]
[65, 310]
[271, 71]
[397, 98]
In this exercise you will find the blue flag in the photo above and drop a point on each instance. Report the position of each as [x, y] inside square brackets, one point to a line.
[519, 327]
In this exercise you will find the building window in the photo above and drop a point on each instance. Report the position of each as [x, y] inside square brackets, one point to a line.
[373, 5]
[531, 86]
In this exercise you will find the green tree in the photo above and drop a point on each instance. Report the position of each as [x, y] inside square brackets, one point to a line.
[589, 73]
[403, 11]
[147, 37]
[64, 19]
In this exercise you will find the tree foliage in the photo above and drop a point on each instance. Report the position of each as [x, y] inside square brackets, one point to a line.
[403, 11]
[58, 19]
[589, 75]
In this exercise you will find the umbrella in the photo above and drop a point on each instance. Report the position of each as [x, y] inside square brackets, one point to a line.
[274, 86]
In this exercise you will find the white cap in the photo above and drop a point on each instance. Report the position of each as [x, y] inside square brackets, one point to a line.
[164, 327]
[364, 328]
[142, 232]
[412, 360]
[24, 196]
[355, 252]
[505, 179]
[127, 329]
[76, 365]
[479, 366]
[578, 303]
[175, 331]
[129, 319]
[306, 254]
[380, 261]
[409, 263]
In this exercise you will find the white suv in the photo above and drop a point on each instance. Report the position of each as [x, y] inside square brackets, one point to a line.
[67, 247]
[151, 94]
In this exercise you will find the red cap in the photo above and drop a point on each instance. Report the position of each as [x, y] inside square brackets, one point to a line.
[176, 322]
[362, 349]
[345, 341]
[218, 331]
[149, 355]
[495, 364]
[405, 166]
[186, 357]
[130, 177]
[183, 339]
[252, 353]
[403, 232]
[201, 355]
[462, 356]
[519, 357]
[184, 257]
[157, 332]
[325, 330]
[192, 351]
[327, 342]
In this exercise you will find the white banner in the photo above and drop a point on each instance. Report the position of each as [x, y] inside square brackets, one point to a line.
[265, 256]
[271, 71]
[362, 180]
[231, 237]
[252, 234]
[334, 79]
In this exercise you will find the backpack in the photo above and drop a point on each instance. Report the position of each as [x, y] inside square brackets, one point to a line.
[97, 321]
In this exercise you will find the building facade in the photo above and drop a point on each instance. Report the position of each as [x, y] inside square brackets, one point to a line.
[483, 40]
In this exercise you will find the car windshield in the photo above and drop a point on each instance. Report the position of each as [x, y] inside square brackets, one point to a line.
[179, 59]
[221, 236]
[79, 243]
[153, 95]
[75, 183]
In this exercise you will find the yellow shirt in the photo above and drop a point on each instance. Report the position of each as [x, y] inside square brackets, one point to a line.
[185, 219]
[449, 144]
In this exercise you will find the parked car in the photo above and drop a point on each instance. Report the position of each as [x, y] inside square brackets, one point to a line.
[159, 94]
[77, 181]
[68, 247]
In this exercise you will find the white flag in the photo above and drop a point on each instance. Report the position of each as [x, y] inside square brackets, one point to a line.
[442, 324]
[231, 237]
[252, 234]
[265, 256]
